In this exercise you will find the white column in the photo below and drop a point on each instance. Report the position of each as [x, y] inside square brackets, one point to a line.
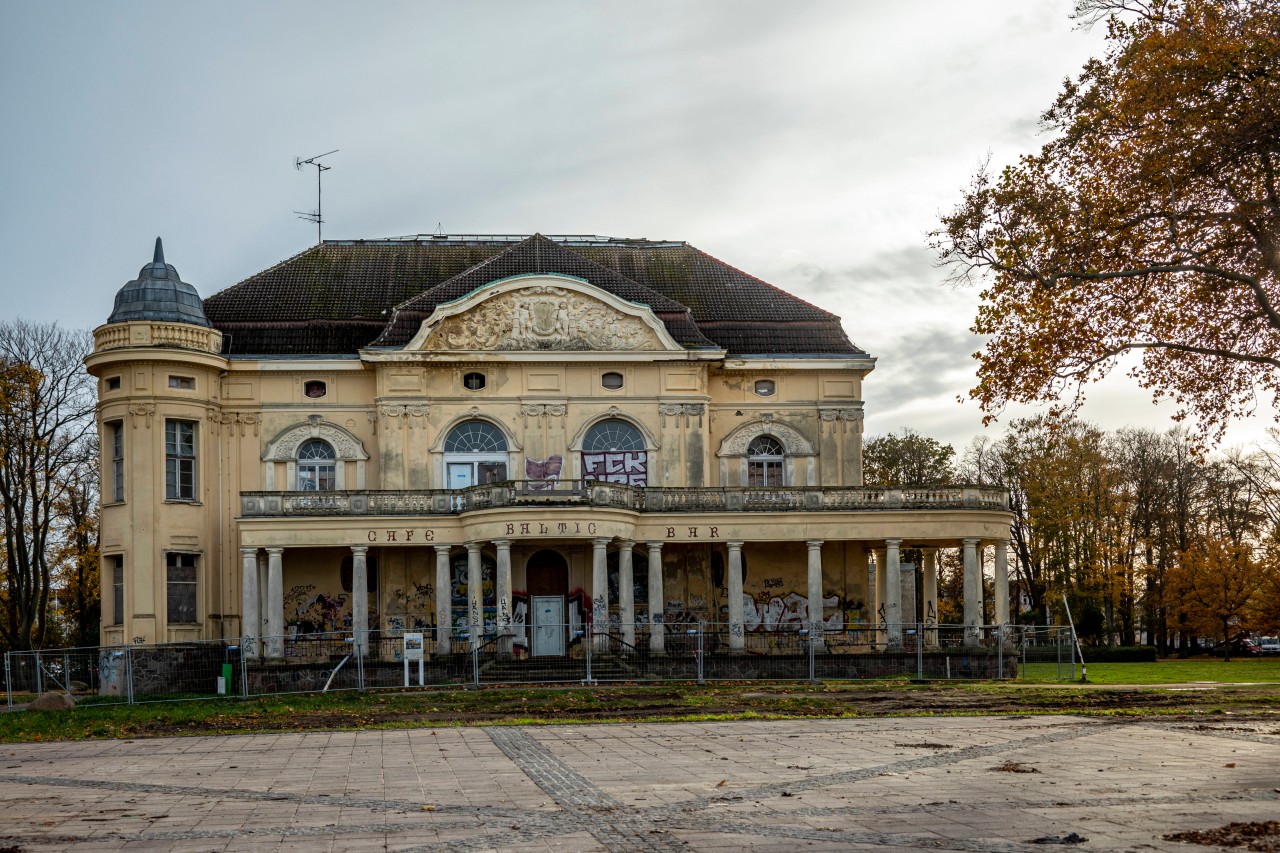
[657, 600]
[444, 601]
[737, 639]
[503, 593]
[815, 583]
[972, 593]
[627, 592]
[1001, 585]
[275, 602]
[930, 571]
[249, 601]
[262, 596]
[360, 597]
[475, 595]
[893, 592]
[600, 594]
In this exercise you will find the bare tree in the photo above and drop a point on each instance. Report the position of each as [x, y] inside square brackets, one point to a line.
[46, 418]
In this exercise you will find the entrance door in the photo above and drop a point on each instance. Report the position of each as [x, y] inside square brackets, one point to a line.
[548, 625]
[461, 475]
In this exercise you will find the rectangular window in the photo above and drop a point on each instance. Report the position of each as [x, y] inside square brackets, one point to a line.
[115, 431]
[186, 383]
[181, 591]
[113, 383]
[117, 590]
[180, 460]
[764, 473]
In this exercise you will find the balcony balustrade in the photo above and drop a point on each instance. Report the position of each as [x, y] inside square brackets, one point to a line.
[596, 493]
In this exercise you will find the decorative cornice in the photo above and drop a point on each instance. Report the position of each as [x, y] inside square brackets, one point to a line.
[684, 411]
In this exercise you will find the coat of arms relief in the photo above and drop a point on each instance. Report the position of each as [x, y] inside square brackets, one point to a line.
[542, 318]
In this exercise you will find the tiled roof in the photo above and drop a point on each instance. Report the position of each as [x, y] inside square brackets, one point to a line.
[340, 296]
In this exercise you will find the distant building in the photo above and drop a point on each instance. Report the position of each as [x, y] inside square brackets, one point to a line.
[534, 433]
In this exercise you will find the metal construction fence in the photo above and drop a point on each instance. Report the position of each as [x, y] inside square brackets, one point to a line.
[698, 652]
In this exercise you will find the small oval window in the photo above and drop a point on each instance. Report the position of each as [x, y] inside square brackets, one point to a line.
[315, 388]
[612, 381]
[765, 388]
[473, 381]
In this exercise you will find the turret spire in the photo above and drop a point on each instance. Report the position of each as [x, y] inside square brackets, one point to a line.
[159, 256]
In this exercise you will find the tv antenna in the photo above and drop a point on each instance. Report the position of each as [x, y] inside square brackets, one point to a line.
[321, 168]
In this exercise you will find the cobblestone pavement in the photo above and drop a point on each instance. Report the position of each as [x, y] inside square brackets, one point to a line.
[949, 783]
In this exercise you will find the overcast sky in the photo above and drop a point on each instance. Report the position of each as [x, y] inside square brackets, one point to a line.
[810, 143]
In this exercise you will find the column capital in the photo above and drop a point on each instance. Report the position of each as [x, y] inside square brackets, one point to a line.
[601, 542]
[442, 549]
[814, 544]
[893, 543]
[655, 545]
[501, 544]
[474, 547]
[359, 550]
[249, 552]
[626, 544]
[970, 542]
[274, 552]
[734, 546]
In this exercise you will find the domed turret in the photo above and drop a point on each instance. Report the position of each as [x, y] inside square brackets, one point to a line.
[159, 294]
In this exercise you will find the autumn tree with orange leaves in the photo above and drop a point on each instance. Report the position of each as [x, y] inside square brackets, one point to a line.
[1148, 226]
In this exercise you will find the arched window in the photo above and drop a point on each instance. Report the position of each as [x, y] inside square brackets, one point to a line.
[765, 458]
[612, 435]
[475, 453]
[613, 450]
[316, 466]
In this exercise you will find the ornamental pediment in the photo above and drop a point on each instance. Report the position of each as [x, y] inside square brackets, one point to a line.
[542, 313]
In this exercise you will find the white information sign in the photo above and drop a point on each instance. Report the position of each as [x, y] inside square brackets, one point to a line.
[413, 651]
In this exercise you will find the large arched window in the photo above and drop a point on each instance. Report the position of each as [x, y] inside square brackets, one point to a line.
[614, 451]
[612, 435]
[317, 465]
[475, 452]
[765, 462]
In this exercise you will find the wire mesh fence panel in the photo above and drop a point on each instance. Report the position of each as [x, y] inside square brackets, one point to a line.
[92, 675]
[548, 653]
[732, 653]
[302, 663]
[170, 672]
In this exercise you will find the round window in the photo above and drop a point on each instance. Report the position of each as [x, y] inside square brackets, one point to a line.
[473, 381]
[612, 381]
[765, 388]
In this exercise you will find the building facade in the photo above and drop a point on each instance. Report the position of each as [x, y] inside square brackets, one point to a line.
[525, 438]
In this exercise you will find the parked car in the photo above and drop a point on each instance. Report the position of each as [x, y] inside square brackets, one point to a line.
[1242, 646]
[1269, 645]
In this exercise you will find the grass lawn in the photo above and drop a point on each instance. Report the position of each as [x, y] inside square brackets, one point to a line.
[1236, 671]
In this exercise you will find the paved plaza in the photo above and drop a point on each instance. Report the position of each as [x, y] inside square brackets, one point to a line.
[948, 783]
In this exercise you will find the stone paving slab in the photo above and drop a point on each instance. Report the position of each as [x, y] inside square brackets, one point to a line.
[943, 783]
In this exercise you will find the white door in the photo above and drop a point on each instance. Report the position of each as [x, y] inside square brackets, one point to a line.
[548, 625]
[461, 475]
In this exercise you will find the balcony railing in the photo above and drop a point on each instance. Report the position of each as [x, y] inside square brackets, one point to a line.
[550, 493]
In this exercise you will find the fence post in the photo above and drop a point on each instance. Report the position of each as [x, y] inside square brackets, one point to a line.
[813, 634]
[8, 680]
[359, 664]
[589, 641]
[66, 672]
[1000, 654]
[128, 673]
[40, 675]
[475, 663]
[919, 651]
[702, 678]
[244, 670]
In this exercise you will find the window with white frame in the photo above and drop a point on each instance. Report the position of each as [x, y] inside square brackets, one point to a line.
[766, 459]
[180, 591]
[117, 589]
[115, 431]
[180, 460]
[475, 452]
[317, 466]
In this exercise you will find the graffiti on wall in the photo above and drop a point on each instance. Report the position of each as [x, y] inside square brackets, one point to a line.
[629, 467]
[543, 475]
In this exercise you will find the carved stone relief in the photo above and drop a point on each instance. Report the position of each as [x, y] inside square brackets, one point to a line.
[839, 419]
[142, 410]
[542, 318]
[284, 447]
[737, 442]
[686, 411]
[405, 413]
[544, 410]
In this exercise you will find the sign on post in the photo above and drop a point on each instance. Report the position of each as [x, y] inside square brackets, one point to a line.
[413, 650]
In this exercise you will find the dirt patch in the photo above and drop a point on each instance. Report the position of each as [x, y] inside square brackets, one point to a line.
[1013, 767]
[925, 745]
[1261, 836]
